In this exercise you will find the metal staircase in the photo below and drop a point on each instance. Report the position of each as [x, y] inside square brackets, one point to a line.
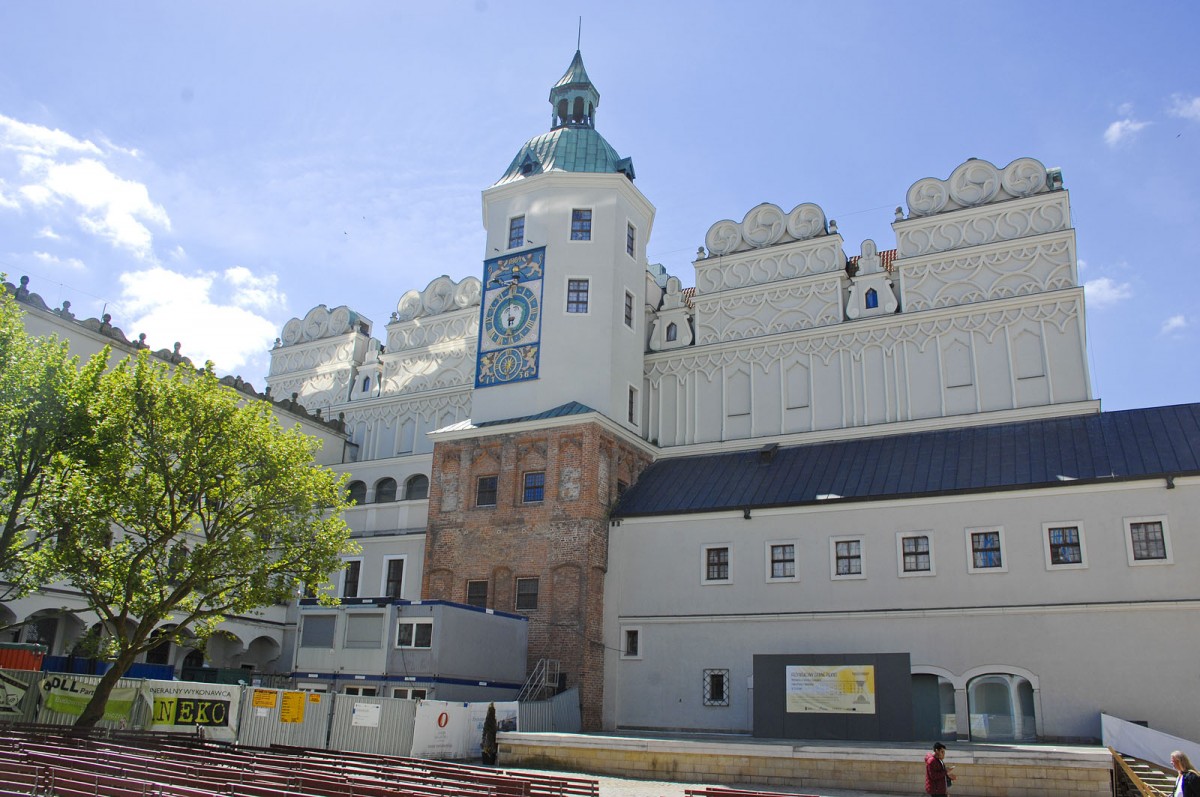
[542, 682]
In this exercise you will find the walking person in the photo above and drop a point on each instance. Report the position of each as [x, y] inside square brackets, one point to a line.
[938, 776]
[1188, 782]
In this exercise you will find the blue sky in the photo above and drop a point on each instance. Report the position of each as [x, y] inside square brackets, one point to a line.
[207, 170]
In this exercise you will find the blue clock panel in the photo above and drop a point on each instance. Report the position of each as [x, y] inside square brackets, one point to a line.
[510, 322]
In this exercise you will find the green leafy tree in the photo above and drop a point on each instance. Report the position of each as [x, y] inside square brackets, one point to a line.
[44, 400]
[192, 506]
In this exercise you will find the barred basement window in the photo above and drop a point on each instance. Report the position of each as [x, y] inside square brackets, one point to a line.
[716, 687]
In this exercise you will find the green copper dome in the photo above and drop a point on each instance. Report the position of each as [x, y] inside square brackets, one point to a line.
[572, 145]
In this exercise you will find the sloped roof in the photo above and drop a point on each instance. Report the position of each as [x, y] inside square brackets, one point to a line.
[1111, 446]
[566, 149]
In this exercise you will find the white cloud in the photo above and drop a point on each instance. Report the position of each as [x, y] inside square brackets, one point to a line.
[1082, 264]
[169, 306]
[259, 293]
[1176, 323]
[1122, 130]
[73, 263]
[1185, 107]
[48, 233]
[1104, 292]
[55, 170]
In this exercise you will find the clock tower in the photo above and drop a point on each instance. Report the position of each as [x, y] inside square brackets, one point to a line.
[519, 496]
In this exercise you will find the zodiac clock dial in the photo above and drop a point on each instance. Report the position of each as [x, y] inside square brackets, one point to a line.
[511, 316]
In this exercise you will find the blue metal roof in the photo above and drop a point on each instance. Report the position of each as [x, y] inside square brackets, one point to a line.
[1111, 446]
[570, 408]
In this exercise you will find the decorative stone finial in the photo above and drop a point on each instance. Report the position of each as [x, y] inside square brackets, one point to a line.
[833, 226]
[700, 253]
[899, 213]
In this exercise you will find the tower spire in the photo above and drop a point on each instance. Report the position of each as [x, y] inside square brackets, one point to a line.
[574, 99]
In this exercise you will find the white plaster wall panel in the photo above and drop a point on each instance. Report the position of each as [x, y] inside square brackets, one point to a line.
[451, 327]
[1019, 218]
[753, 313]
[993, 272]
[709, 415]
[1028, 354]
[444, 366]
[1065, 349]
[738, 402]
[768, 398]
[828, 403]
[877, 385]
[718, 273]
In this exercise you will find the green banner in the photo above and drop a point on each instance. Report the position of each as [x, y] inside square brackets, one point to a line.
[67, 694]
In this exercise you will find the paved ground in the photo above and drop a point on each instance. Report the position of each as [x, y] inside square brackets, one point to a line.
[626, 787]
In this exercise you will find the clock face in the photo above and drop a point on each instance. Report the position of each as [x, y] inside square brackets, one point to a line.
[511, 316]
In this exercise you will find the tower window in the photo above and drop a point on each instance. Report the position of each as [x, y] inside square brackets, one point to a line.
[633, 405]
[581, 225]
[872, 299]
[577, 296]
[630, 240]
[485, 491]
[629, 309]
[672, 332]
[516, 232]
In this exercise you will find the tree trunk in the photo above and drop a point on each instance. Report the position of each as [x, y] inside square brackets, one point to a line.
[93, 712]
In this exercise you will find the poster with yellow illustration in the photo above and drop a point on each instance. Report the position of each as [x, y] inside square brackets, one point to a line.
[846, 689]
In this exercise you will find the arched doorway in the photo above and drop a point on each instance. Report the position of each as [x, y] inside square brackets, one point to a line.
[933, 707]
[1002, 708]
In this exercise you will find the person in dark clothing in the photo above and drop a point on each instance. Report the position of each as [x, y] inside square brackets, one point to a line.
[1188, 782]
[938, 776]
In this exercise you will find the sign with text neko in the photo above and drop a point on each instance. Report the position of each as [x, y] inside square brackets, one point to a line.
[184, 707]
[845, 689]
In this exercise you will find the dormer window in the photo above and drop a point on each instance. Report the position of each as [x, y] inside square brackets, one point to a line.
[872, 299]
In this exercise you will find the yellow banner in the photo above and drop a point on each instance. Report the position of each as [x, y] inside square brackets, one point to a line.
[848, 689]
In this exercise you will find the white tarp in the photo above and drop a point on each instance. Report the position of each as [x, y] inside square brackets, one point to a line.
[1144, 743]
[454, 730]
[184, 706]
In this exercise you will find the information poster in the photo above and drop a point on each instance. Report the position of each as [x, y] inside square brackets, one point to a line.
[848, 689]
[292, 707]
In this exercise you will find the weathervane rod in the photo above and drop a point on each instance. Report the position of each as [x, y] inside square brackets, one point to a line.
[579, 37]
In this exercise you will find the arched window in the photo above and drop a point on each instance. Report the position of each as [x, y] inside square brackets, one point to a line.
[357, 492]
[385, 491]
[872, 299]
[1001, 708]
[577, 113]
[416, 488]
[366, 384]
[672, 332]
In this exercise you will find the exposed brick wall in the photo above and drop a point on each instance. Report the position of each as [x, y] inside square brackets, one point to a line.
[562, 541]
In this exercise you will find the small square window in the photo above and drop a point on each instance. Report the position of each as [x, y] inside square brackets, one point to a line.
[632, 648]
[715, 564]
[630, 240]
[781, 561]
[414, 634]
[629, 309]
[485, 491]
[1064, 546]
[915, 554]
[846, 558]
[716, 687]
[527, 594]
[985, 551]
[535, 487]
[577, 296]
[516, 232]
[581, 225]
[1147, 541]
[477, 593]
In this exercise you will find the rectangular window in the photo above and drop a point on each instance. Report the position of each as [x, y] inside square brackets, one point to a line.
[716, 687]
[477, 594]
[485, 491]
[716, 565]
[360, 691]
[364, 631]
[350, 577]
[986, 551]
[404, 693]
[1064, 546]
[527, 594]
[581, 225]
[577, 296]
[516, 232]
[317, 631]
[916, 554]
[847, 557]
[629, 309]
[632, 648]
[633, 406]
[781, 561]
[630, 240]
[393, 584]
[414, 634]
[535, 487]
[1147, 541]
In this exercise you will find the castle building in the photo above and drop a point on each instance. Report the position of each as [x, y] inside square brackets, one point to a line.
[813, 496]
